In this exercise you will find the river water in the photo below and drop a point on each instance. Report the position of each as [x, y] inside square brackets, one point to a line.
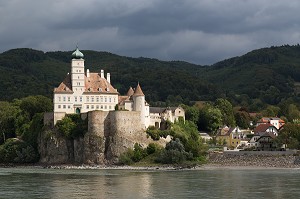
[31, 183]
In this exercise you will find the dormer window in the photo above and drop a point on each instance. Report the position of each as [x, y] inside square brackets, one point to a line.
[107, 89]
[100, 89]
[89, 89]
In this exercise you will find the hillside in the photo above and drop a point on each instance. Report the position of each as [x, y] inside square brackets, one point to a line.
[30, 72]
[268, 74]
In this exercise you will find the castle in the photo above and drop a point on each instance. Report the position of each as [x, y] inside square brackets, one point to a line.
[82, 92]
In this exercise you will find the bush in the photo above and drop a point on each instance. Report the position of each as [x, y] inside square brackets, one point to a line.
[17, 151]
[72, 126]
[126, 158]
[174, 153]
[137, 154]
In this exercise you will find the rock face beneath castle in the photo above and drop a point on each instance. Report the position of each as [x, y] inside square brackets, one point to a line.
[109, 135]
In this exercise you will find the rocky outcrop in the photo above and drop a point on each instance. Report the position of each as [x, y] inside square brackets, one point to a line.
[109, 135]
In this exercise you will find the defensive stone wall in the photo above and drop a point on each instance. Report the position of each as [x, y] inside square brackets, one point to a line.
[109, 135]
[51, 118]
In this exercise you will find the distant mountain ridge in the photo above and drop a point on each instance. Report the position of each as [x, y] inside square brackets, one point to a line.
[269, 74]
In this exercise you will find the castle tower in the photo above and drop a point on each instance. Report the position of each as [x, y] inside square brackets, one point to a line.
[139, 103]
[77, 72]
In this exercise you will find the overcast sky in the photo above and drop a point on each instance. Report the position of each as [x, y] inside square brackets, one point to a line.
[197, 31]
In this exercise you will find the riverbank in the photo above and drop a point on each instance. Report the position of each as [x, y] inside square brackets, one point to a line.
[253, 160]
[214, 161]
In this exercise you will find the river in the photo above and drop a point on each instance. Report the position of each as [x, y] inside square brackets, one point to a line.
[31, 183]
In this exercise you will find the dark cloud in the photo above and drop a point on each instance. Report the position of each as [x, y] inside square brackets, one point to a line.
[198, 31]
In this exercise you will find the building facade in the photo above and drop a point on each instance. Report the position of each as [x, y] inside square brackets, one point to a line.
[82, 91]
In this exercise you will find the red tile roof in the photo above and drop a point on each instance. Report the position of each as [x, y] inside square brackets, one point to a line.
[65, 86]
[94, 83]
[262, 128]
[138, 91]
[130, 92]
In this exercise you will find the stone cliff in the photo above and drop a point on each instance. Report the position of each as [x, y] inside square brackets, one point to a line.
[109, 135]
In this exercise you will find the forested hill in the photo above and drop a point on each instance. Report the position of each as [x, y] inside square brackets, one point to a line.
[267, 75]
[32, 72]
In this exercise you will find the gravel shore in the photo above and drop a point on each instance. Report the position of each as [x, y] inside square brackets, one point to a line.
[262, 161]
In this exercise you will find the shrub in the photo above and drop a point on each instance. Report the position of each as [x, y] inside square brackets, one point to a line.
[17, 151]
[72, 126]
[174, 153]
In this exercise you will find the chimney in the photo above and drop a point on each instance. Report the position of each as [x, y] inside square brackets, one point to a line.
[108, 77]
[102, 73]
[87, 73]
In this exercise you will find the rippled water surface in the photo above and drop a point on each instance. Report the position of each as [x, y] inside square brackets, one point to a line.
[135, 184]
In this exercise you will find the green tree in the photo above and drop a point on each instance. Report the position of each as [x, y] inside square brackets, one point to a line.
[35, 104]
[293, 112]
[271, 111]
[242, 119]
[66, 126]
[17, 151]
[227, 111]
[8, 114]
[289, 136]
[191, 113]
[174, 153]
[210, 118]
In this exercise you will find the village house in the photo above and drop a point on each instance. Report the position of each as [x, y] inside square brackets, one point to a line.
[263, 138]
[275, 121]
[230, 136]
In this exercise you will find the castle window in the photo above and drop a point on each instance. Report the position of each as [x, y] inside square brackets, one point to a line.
[101, 107]
[59, 106]
[97, 99]
[105, 107]
[80, 99]
[69, 98]
[109, 107]
[75, 99]
[69, 107]
[87, 106]
[97, 106]
[101, 99]
[109, 99]
[92, 107]
[64, 106]
[92, 98]
[87, 99]
[105, 99]
[114, 99]
[78, 77]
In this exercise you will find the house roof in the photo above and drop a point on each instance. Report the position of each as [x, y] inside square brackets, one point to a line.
[262, 128]
[161, 109]
[267, 134]
[65, 86]
[93, 83]
[130, 91]
[138, 91]
[156, 109]
[268, 119]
